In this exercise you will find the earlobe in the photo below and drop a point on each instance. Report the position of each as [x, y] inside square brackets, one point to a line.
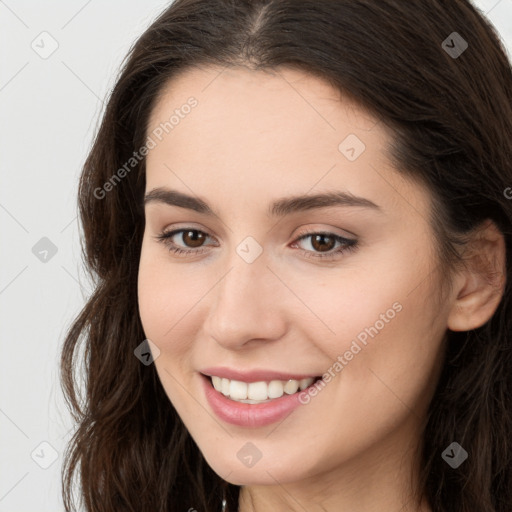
[479, 287]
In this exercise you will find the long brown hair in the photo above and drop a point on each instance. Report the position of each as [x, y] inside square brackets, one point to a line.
[451, 116]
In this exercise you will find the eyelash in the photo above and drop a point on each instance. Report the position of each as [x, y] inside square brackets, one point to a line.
[349, 245]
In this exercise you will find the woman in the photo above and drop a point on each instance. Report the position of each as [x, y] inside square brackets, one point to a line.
[297, 216]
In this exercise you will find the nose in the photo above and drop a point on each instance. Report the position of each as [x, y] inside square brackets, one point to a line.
[246, 305]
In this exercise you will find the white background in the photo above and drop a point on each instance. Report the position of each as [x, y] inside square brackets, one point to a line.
[50, 109]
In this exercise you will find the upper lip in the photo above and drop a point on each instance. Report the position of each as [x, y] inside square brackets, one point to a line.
[255, 375]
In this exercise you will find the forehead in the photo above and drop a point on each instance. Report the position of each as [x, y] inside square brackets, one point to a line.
[262, 100]
[258, 131]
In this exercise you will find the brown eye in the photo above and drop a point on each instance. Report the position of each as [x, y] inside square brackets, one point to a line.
[193, 238]
[322, 243]
[184, 241]
[325, 245]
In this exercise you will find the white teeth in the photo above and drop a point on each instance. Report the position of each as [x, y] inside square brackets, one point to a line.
[304, 383]
[238, 390]
[258, 392]
[224, 386]
[253, 401]
[291, 386]
[216, 381]
[275, 389]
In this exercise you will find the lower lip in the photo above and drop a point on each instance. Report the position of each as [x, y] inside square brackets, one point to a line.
[249, 415]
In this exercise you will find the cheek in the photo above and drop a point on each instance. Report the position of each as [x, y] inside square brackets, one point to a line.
[164, 301]
[169, 297]
[159, 295]
[367, 288]
[383, 321]
[339, 306]
[392, 356]
[153, 298]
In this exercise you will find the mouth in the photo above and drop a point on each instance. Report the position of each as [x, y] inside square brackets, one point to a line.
[271, 401]
[259, 392]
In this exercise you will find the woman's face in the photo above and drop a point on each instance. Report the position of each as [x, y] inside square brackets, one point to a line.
[238, 161]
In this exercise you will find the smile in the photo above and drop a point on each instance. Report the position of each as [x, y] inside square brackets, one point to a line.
[258, 392]
[253, 412]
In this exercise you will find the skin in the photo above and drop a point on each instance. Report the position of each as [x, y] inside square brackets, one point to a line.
[255, 137]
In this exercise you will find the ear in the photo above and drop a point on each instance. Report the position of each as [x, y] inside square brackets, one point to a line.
[480, 286]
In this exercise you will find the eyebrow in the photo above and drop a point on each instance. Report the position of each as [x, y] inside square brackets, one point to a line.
[279, 208]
